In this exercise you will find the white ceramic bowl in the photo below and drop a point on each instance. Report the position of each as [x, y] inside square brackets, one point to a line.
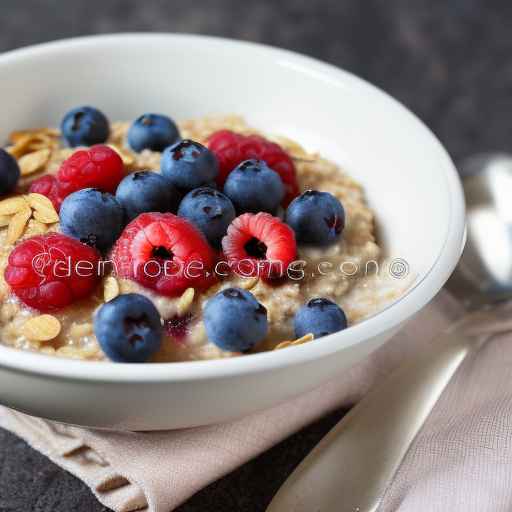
[410, 181]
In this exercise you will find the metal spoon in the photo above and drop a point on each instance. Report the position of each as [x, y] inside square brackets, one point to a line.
[353, 465]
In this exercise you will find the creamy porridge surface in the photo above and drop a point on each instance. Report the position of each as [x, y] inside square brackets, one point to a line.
[327, 271]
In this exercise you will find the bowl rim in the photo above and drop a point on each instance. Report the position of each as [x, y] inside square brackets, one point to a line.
[415, 298]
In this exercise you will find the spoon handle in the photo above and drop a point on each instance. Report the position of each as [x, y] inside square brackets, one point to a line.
[353, 465]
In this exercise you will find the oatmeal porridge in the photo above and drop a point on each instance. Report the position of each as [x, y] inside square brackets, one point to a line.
[334, 274]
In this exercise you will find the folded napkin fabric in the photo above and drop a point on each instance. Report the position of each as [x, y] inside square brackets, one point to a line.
[158, 471]
[462, 458]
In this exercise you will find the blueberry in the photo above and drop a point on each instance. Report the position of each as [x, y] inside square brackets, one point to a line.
[317, 218]
[93, 217]
[319, 317]
[189, 165]
[152, 131]
[85, 126]
[254, 187]
[235, 320]
[128, 328]
[210, 210]
[9, 172]
[146, 191]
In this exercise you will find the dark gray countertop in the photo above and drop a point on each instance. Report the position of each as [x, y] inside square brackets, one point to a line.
[450, 62]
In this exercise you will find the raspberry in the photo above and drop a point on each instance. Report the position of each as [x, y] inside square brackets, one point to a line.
[231, 149]
[98, 167]
[49, 272]
[165, 253]
[259, 245]
[49, 186]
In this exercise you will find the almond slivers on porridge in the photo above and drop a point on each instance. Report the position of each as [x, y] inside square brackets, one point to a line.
[156, 241]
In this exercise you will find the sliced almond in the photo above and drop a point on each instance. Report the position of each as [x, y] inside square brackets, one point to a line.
[283, 344]
[16, 135]
[4, 220]
[17, 225]
[31, 141]
[110, 289]
[44, 210]
[299, 341]
[46, 218]
[249, 283]
[53, 132]
[41, 328]
[303, 339]
[12, 150]
[13, 205]
[185, 301]
[33, 162]
[20, 145]
[44, 142]
[35, 227]
[21, 135]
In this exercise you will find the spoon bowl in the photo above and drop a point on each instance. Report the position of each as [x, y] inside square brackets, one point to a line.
[484, 273]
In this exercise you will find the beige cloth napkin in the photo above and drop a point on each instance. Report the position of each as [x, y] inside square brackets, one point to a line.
[461, 460]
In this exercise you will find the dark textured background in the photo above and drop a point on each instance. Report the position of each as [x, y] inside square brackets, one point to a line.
[449, 61]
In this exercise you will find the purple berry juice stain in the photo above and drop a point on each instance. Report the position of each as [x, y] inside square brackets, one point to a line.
[178, 327]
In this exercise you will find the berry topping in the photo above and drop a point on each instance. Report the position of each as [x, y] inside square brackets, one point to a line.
[99, 167]
[49, 186]
[9, 172]
[85, 126]
[235, 320]
[165, 253]
[210, 210]
[189, 165]
[49, 272]
[146, 191]
[128, 328]
[254, 187]
[317, 218]
[152, 131]
[93, 217]
[232, 148]
[319, 317]
[259, 245]
[178, 327]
